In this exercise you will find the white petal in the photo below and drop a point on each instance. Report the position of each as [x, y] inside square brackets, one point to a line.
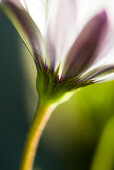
[100, 73]
[62, 28]
[87, 9]
[106, 59]
[86, 47]
[106, 78]
[36, 9]
[24, 24]
[84, 14]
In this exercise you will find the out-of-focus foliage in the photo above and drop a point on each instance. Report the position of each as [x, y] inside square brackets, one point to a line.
[104, 157]
[80, 133]
[77, 127]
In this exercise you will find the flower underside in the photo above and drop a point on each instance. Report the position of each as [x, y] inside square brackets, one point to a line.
[80, 56]
[51, 87]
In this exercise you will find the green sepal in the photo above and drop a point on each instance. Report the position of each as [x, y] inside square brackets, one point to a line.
[51, 88]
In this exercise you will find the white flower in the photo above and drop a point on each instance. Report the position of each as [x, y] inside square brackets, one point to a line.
[75, 37]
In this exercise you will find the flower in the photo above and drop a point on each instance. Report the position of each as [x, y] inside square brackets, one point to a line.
[66, 39]
[72, 45]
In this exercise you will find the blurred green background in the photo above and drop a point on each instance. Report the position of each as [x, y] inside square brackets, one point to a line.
[80, 133]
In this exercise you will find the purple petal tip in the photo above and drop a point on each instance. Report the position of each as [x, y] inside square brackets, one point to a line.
[104, 16]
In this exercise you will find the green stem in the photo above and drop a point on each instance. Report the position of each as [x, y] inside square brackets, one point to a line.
[32, 142]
